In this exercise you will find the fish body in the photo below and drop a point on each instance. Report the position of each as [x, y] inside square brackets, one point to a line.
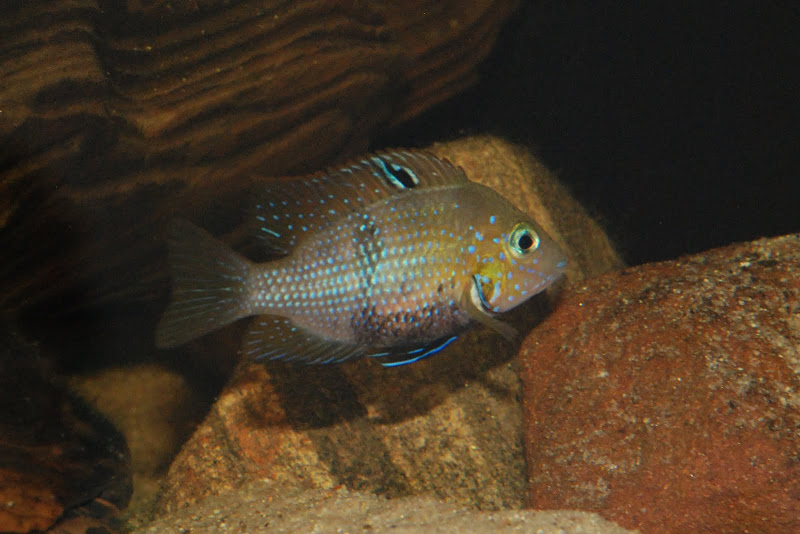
[391, 256]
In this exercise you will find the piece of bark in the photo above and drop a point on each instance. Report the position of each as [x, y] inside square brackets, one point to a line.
[115, 117]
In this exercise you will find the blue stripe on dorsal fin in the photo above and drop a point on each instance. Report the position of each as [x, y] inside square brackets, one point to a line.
[408, 169]
[283, 211]
[398, 175]
[288, 209]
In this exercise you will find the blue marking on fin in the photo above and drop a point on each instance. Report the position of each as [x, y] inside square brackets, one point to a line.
[271, 232]
[425, 354]
[399, 176]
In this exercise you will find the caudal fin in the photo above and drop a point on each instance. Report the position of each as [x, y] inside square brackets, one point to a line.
[208, 284]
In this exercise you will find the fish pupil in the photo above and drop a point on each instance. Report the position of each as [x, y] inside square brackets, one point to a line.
[402, 175]
[525, 241]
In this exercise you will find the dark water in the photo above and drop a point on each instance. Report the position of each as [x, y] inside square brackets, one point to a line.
[677, 127]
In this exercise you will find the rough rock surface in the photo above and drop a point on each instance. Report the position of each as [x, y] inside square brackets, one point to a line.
[262, 507]
[667, 397]
[116, 116]
[60, 462]
[154, 408]
[447, 427]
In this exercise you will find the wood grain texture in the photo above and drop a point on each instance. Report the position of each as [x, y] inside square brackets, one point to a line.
[115, 117]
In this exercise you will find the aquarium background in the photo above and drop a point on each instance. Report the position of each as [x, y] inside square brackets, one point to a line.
[678, 127]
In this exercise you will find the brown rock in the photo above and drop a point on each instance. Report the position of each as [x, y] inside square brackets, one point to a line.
[59, 460]
[667, 397]
[156, 409]
[448, 426]
[115, 118]
[261, 506]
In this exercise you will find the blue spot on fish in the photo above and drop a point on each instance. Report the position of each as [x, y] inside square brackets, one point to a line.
[322, 281]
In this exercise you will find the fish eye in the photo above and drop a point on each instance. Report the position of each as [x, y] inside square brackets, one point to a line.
[523, 239]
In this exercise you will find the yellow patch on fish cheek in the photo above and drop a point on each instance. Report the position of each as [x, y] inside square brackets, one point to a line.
[489, 275]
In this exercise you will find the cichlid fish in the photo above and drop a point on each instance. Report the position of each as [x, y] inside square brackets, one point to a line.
[390, 257]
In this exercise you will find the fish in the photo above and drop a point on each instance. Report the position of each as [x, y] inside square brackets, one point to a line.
[392, 256]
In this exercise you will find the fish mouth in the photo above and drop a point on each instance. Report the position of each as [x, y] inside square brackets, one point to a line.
[478, 298]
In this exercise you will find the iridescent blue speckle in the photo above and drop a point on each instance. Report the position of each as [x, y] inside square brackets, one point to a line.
[378, 261]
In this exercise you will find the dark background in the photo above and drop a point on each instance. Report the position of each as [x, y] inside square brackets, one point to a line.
[676, 127]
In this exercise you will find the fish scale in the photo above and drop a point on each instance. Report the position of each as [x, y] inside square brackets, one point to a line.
[381, 288]
[392, 255]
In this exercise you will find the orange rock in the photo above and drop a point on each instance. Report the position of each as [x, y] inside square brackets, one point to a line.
[28, 503]
[667, 397]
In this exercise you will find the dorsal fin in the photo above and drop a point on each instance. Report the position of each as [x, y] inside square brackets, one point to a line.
[286, 211]
[391, 172]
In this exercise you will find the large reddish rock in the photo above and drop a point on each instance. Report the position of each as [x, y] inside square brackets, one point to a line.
[667, 397]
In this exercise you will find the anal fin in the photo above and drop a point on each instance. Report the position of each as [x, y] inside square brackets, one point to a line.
[278, 338]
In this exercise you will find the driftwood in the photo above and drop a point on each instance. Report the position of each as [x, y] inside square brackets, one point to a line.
[114, 118]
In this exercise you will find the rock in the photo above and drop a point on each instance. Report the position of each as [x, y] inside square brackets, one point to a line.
[61, 463]
[116, 117]
[260, 506]
[447, 427]
[155, 408]
[666, 397]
